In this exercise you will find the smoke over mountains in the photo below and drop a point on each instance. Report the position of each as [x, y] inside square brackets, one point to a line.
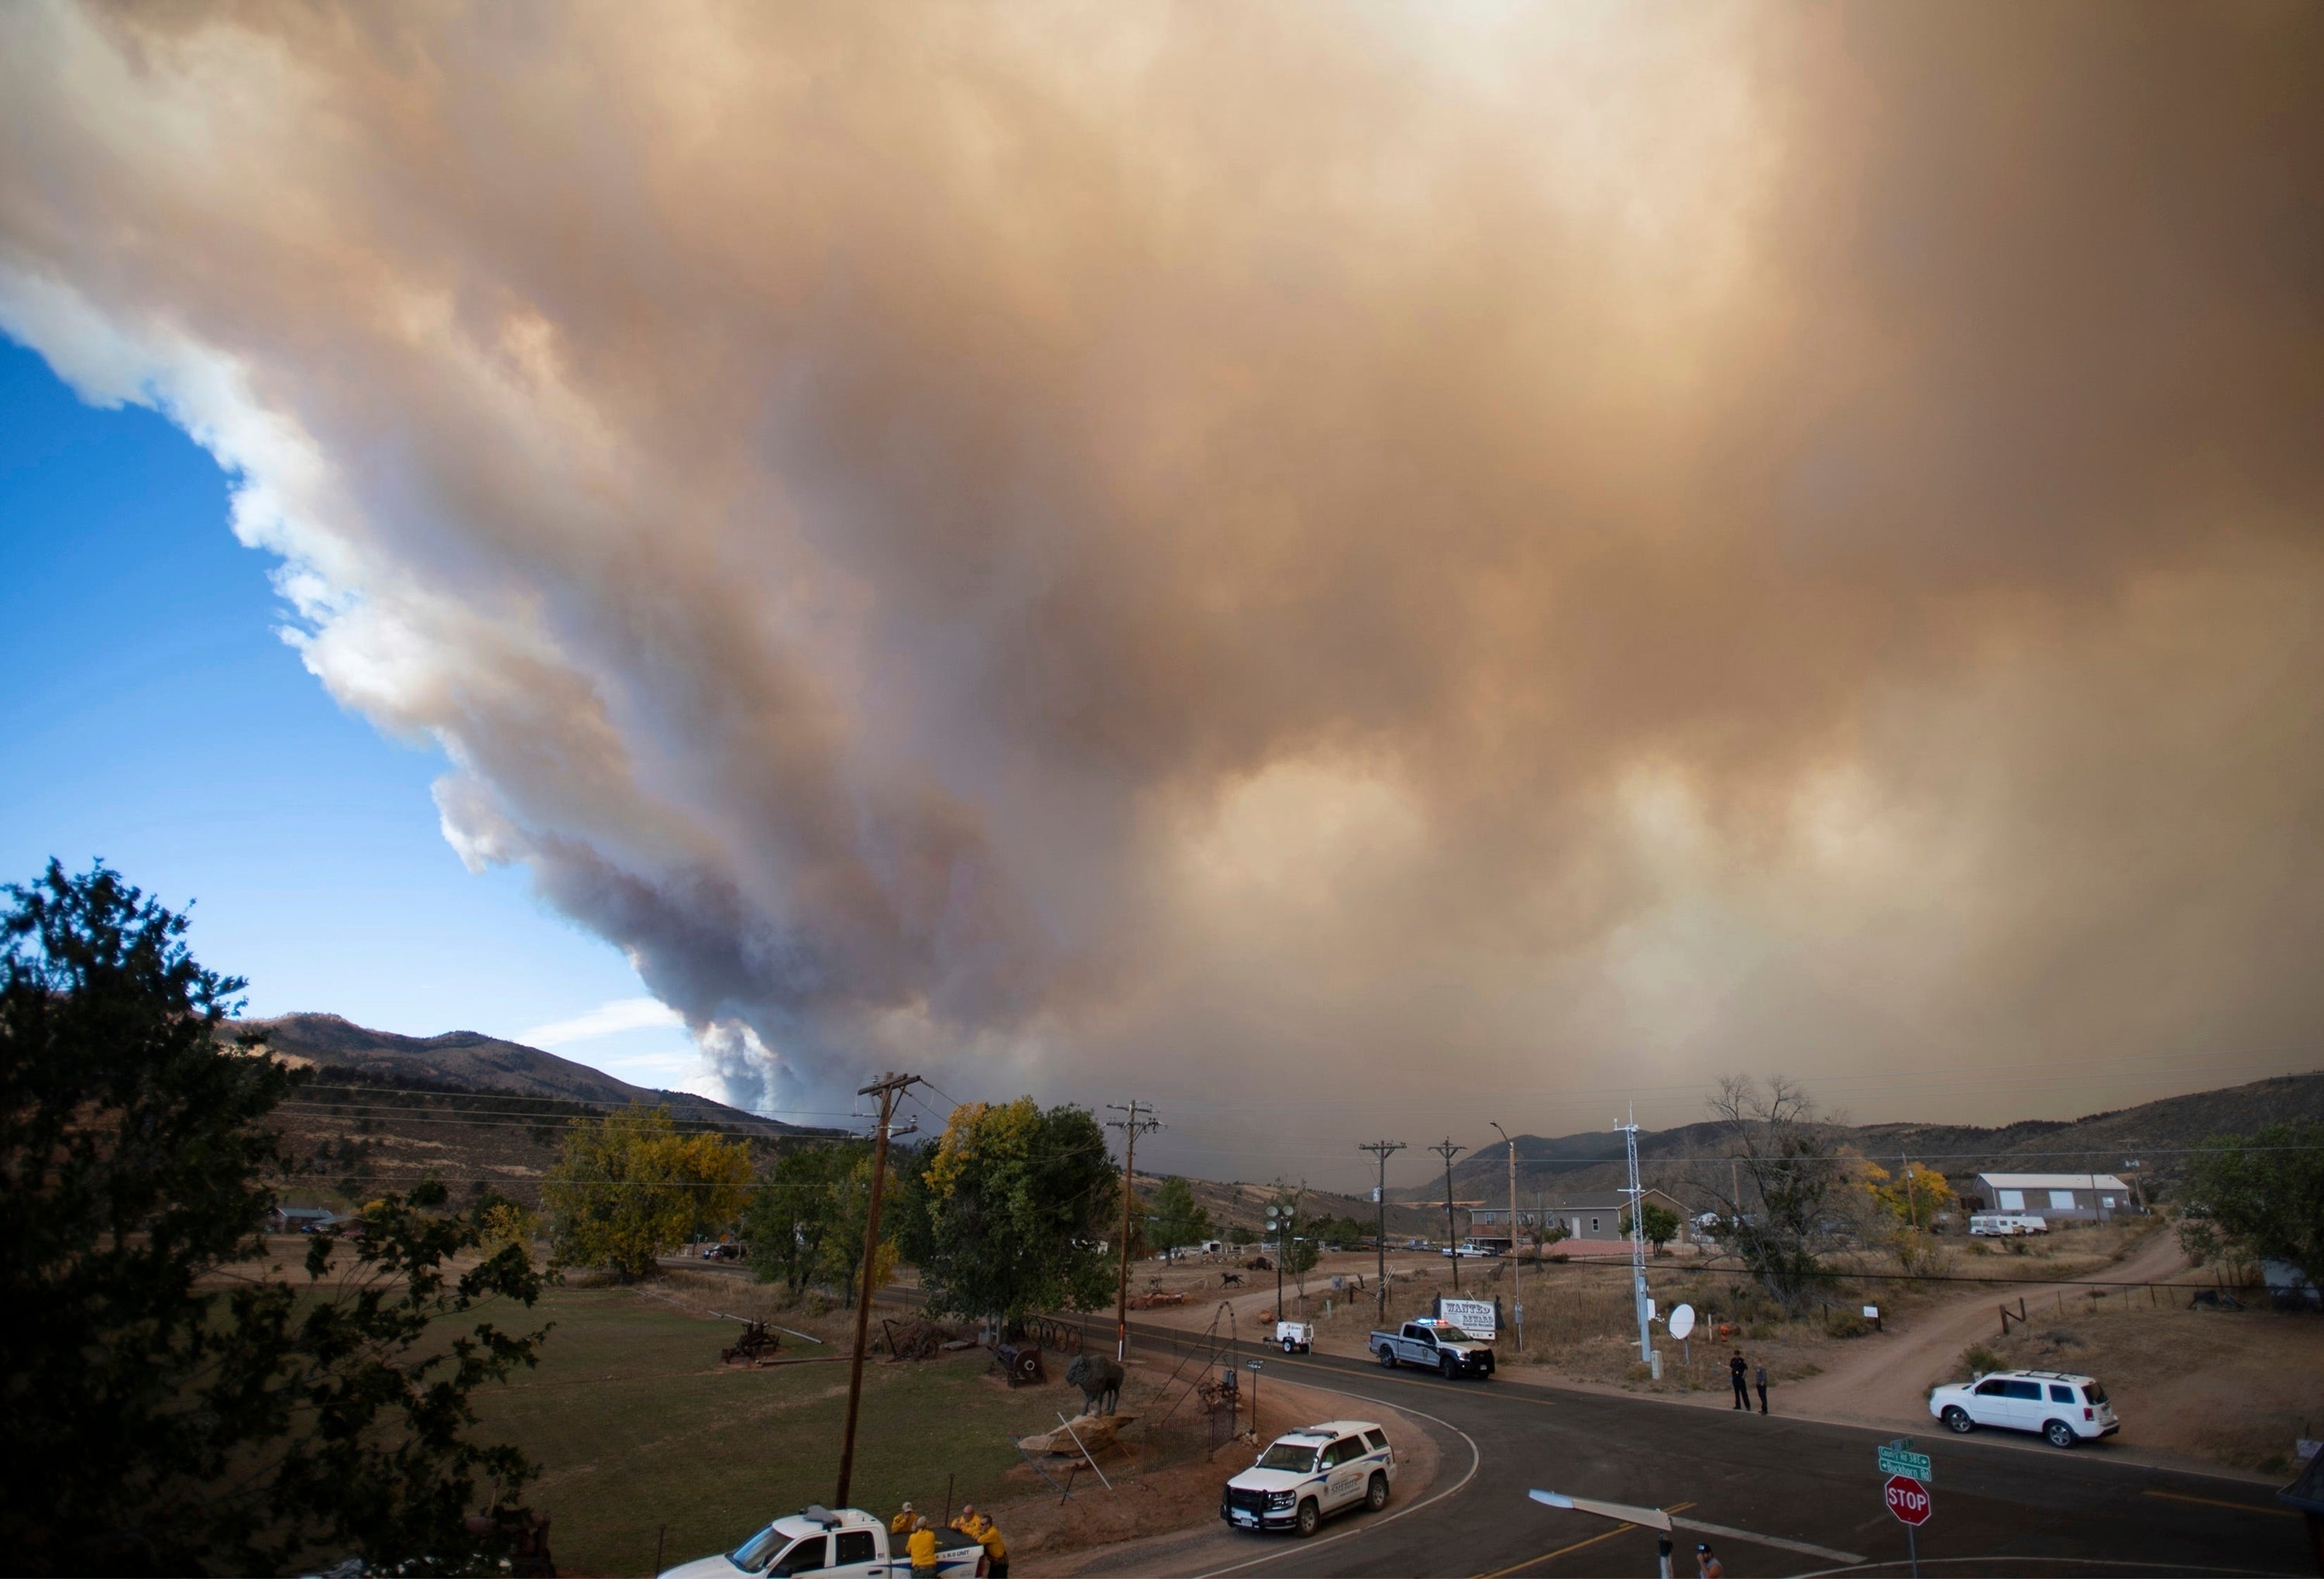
[1261, 547]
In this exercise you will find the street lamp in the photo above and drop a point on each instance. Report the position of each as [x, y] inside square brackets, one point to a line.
[1516, 1268]
[1278, 1220]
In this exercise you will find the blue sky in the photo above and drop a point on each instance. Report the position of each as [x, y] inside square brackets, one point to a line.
[154, 717]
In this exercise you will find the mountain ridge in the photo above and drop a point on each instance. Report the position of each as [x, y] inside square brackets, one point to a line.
[2099, 1142]
[487, 1063]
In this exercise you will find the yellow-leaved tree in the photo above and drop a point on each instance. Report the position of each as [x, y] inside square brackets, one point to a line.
[1908, 1205]
[628, 1187]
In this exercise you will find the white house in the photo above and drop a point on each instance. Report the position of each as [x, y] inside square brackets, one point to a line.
[2072, 1197]
[1596, 1215]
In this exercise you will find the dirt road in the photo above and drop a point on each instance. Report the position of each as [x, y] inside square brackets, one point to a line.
[1885, 1379]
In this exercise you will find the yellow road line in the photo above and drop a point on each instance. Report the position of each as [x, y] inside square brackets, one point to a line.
[1577, 1546]
[2219, 1502]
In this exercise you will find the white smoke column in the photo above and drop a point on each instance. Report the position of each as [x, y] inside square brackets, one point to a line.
[1230, 548]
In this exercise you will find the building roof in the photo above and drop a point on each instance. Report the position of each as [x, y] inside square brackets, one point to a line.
[2053, 1181]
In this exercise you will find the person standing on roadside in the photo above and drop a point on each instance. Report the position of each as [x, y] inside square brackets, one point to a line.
[1735, 1373]
[1707, 1564]
[1759, 1375]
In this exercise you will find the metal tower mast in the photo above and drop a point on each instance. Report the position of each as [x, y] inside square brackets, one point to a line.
[1637, 1242]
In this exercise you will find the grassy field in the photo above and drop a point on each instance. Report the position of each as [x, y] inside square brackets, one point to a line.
[640, 1431]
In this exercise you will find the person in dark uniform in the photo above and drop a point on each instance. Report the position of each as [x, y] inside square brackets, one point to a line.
[1735, 1373]
[1759, 1376]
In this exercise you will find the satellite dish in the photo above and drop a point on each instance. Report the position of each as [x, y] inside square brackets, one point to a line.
[1682, 1321]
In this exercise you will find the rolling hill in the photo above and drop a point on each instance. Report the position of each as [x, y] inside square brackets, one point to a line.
[2158, 1132]
[467, 1060]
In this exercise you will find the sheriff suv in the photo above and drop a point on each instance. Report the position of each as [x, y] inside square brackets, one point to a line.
[1310, 1473]
[2065, 1408]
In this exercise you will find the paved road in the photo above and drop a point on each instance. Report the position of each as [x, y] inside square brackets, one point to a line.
[2006, 1505]
[2000, 1507]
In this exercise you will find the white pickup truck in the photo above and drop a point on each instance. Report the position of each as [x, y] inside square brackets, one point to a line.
[844, 1543]
[1437, 1345]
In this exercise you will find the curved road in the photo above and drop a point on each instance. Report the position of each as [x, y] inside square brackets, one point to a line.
[2002, 1505]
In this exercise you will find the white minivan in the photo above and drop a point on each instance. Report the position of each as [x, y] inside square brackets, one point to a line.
[2065, 1408]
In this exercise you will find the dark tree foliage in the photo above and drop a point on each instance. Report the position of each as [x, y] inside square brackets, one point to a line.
[1175, 1218]
[162, 1409]
[1776, 1205]
[1657, 1222]
[2258, 1197]
[787, 1224]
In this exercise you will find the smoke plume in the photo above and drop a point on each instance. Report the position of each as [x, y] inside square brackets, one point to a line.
[1411, 565]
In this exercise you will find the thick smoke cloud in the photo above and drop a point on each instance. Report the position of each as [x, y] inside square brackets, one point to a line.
[1373, 558]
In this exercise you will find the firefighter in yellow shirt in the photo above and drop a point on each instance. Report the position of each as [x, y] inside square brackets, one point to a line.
[995, 1548]
[922, 1550]
[970, 1523]
[903, 1523]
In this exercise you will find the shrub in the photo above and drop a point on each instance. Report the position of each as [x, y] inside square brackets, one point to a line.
[1979, 1360]
[1845, 1324]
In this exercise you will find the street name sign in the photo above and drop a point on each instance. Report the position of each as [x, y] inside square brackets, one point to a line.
[1895, 1460]
[1908, 1499]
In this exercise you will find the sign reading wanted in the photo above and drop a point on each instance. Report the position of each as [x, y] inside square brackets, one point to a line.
[1474, 1316]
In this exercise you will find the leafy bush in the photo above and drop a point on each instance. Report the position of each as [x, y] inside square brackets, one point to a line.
[1980, 1360]
[1845, 1324]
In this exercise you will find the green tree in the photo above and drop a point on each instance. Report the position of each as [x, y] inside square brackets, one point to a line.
[1657, 1221]
[2258, 1197]
[151, 1421]
[1176, 1218]
[788, 1226]
[843, 1258]
[629, 1186]
[1018, 1206]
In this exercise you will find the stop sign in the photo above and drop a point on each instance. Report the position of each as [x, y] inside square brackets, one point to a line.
[1908, 1499]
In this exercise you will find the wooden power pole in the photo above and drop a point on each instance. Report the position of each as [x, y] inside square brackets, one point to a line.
[1136, 1118]
[886, 1088]
[1382, 1149]
[1448, 1151]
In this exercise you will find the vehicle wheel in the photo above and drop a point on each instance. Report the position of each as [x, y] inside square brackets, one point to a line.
[1388, 1359]
[1957, 1421]
[1376, 1494]
[1289, 1347]
[1445, 1366]
[2059, 1433]
[1310, 1515]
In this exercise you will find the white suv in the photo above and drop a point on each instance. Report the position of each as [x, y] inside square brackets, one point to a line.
[1310, 1472]
[2065, 1408]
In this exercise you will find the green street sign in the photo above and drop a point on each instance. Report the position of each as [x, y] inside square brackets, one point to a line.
[1895, 1460]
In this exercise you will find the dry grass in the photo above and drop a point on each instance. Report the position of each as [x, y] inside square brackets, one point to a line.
[2234, 1387]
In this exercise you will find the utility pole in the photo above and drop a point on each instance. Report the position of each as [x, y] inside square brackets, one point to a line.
[1136, 1118]
[886, 1088]
[1382, 1149]
[1517, 1270]
[1637, 1242]
[1448, 1151]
